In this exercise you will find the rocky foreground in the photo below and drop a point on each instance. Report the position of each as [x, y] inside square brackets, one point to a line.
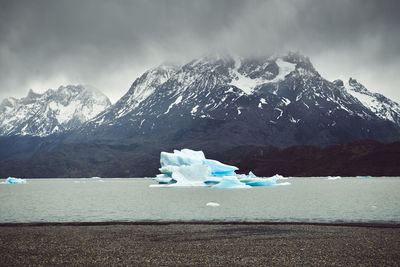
[200, 244]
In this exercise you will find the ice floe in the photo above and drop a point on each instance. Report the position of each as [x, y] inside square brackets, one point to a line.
[191, 168]
[12, 180]
[334, 177]
[89, 180]
[257, 181]
[213, 204]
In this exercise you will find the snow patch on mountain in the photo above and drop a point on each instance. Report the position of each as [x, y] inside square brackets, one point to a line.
[248, 84]
[245, 83]
[177, 101]
[194, 110]
[285, 68]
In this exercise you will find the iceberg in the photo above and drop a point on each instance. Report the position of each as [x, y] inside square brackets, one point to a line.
[334, 177]
[193, 175]
[13, 180]
[256, 181]
[164, 179]
[187, 168]
[231, 182]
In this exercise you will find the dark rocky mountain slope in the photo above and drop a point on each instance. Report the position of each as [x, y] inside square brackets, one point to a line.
[365, 157]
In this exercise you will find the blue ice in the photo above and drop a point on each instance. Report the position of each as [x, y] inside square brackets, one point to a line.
[191, 168]
[231, 182]
[12, 180]
[256, 181]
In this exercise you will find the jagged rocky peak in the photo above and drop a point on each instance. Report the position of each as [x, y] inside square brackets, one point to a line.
[265, 69]
[145, 85]
[351, 84]
[303, 64]
[297, 58]
[352, 81]
[69, 90]
[151, 79]
[158, 74]
[31, 97]
[270, 67]
[248, 65]
[338, 83]
[378, 104]
[32, 94]
[212, 58]
[51, 112]
[5, 103]
[355, 85]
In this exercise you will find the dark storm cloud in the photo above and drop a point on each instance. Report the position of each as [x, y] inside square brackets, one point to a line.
[109, 43]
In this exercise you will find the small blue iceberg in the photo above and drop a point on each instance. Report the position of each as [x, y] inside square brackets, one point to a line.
[257, 181]
[13, 180]
[187, 168]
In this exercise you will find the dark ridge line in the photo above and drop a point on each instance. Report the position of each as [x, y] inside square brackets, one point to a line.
[162, 223]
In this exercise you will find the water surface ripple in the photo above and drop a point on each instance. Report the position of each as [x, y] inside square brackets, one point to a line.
[305, 200]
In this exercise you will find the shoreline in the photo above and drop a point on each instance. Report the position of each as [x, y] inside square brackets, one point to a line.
[151, 177]
[161, 223]
[196, 243]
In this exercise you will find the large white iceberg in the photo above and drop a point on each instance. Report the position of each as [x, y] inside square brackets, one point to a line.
[191, 168]
[12, 180]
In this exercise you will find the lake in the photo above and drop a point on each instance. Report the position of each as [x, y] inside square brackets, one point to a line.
[305, 200]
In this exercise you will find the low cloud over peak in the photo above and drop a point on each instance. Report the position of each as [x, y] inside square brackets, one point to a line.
[109, 43]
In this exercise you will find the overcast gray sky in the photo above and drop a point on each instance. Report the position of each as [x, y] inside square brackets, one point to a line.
[108, 44]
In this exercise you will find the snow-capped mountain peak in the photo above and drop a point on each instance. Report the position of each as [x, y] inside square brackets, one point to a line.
[144, 86]
[258, 97]
[377, 103]
[277, 100]
[51, 112]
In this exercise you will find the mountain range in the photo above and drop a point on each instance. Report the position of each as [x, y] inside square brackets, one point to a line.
[216, 103]
[226, 101]
[52, 112]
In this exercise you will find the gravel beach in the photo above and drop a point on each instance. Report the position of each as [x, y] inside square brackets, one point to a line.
[199, 244]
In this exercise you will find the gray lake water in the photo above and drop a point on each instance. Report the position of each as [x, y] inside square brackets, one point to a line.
[305, 200]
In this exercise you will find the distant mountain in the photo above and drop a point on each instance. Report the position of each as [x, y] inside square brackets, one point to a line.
[224, 105]
[223, 101]
[54, 111]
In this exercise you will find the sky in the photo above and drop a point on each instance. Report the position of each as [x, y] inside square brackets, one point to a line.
[108, 44]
